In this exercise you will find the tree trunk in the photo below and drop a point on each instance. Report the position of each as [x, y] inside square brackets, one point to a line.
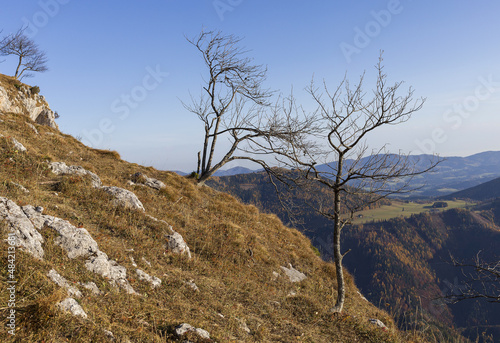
[339, 304]
[18, 66]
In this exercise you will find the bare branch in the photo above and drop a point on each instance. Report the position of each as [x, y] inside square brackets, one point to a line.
[30, 57]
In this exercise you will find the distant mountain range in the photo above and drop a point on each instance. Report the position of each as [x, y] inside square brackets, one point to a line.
[226, 172]
[452, 175]
[484, 191]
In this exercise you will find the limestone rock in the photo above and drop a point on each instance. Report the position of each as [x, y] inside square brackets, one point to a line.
[33, 128]
[60, 168]
[378, 323]
[71, 305]
[109, 335]
[293, 274]
[184, 327]
[143, 276]
[23, 231]
[18, 146]
[177, 245]
[91, 286]
[62, 282]
[22, 101]
[110, 269]
[192, 285]
[76, 241]
[140, 178]
[21, 187]
[124, 198]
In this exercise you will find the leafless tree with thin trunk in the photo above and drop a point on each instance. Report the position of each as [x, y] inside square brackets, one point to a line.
[233, 104]
[30, 57]
[359, 176]
[6, 40]
[481, 280]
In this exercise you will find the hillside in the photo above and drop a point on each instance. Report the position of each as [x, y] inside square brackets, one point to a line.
[101, 256]
[400, 262]
[484, 191]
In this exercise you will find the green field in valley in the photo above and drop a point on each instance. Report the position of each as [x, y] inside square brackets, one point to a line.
[405, 209]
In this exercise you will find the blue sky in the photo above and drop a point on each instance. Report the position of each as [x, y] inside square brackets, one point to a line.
[101, 52]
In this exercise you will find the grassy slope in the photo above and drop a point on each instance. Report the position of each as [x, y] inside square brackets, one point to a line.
[235, 250]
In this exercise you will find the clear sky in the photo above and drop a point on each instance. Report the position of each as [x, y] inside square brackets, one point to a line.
[102, 52]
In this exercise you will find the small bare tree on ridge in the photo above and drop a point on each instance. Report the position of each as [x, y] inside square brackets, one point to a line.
[30, 57]
[233, 103]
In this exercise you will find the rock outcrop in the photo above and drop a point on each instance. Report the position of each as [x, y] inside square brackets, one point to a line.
[293, 274]
[62, 282]
[124, 198]
[60, 168]
[72, 306]
[142, 179]
[23, 100]
[184, 328]
[22, 231]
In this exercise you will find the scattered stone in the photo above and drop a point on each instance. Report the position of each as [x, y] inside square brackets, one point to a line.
[177, 245]
[109, 269]
[275, 276]
[72, 306]
[378, 323]
[18, 146]
[243, 326]
[22, 231]
[33, 128]
[145, 261]
[161, 221]
[133, 262]
[191, 284]
[183, 328]
[21, 187]
[293, 274]
[153, 280]
[143, 322]
[109, 335]
[60, 168]
[91, 286]
[62, 282]
[124, 198]
[140, 178]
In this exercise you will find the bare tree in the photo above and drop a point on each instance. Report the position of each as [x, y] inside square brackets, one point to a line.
[30, 57]
[233, 103]
[6, 40]
[482, 280]
[358, 177]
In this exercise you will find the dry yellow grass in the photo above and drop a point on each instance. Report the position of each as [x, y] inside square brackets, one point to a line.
[235, 250]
